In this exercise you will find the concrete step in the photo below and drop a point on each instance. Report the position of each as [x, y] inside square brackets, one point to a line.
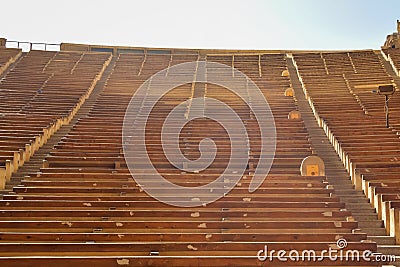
[348, 192]
[370, 224]
[335, 170]
[339, 188]
[389, 249]
[356, 213]
[365, 216]
[360, 206]
[342, 184]
[374, 231]
[383, 240]
[354, 199]
[337, 175]
[355, 195]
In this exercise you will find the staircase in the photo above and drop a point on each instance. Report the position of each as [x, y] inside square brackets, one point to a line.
[36, 161]
[12, 66]
[355, 200]
[389, 69]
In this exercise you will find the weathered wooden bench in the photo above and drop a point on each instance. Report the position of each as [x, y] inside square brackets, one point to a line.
[35, 103]
[371, 148]
[83, 204]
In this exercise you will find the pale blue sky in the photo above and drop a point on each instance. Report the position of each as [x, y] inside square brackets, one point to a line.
[233, 24]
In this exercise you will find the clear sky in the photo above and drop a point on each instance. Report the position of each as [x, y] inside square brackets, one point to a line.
[230, 24]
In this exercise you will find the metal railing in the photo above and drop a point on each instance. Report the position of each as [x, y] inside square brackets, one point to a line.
[28, 46]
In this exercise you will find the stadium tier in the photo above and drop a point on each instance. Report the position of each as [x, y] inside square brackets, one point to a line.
[69, 197]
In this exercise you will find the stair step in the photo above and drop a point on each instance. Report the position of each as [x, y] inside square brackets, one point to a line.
[337, 175]
[354, 200]
[359, 206]
[383, 240]
[341, 196]
[350, 192]
[370, 224]
[374, 231]
[365, 216]
[356, 213]
[389, 249]
[344, 186]
[338, 172]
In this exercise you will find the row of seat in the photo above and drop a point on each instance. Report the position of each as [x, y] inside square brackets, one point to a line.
[355, 123]
[84, 205]
[42, 92]
[393, 55]
[7, 57]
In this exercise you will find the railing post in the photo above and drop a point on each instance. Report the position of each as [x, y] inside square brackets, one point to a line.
[31, 45]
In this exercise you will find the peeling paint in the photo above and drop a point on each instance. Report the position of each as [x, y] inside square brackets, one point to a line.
[67, 223]
[338, 224]
[122, 261]
[195, 214]
[191, 247]
[202, 225]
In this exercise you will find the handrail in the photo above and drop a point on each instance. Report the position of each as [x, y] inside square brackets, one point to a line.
[32, 45]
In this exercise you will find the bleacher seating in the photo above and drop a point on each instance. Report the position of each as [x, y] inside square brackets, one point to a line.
[84, 208]
[39, 95]
[393, 54]
[355, 123]
[7, 57]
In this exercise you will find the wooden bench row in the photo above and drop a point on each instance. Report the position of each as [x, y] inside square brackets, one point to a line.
[35, 102]
[358, 131]
[393, 55]
[81, 196]
[7, 57]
